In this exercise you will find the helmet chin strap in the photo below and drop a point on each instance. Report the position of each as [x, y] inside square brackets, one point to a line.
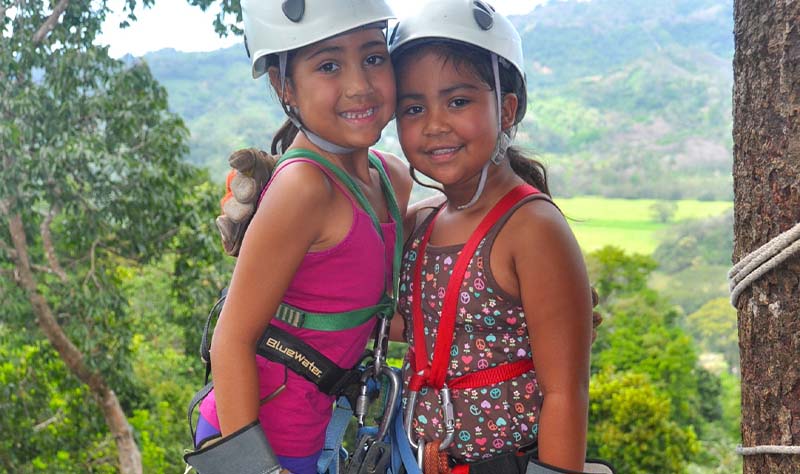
[502, 143]
[294, 116]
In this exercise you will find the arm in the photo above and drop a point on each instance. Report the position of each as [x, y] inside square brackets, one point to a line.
[289, 221]
[556, 297]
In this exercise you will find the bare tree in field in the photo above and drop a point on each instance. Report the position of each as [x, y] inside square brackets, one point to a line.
[766, 175]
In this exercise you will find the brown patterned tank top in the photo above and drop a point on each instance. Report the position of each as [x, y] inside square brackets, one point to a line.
[490, 330]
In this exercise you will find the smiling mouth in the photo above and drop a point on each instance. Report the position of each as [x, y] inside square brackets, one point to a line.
[361, 115]
[444, 151]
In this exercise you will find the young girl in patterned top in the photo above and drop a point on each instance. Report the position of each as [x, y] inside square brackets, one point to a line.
[510, 344]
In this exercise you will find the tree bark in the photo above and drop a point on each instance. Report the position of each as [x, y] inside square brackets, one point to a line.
[766, 178]
[130, 461]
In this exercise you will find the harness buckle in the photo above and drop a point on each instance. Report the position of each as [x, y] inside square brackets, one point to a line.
[373, 454]
[372, 457]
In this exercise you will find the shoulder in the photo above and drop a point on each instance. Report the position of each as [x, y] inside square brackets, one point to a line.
[398, 172]
[298, 184]
[538, 228]
[420, 210]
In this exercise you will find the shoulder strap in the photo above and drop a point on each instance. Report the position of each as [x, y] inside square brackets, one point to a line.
[388, 193]
[491, 236]
[345, 179]
[326, 171]
[394, 211]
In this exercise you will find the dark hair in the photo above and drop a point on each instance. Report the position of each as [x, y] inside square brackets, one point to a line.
[286, 134]
[477, 61]
[283, 138]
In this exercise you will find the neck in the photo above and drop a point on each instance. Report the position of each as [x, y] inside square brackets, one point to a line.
[355, 163]
[500, 179]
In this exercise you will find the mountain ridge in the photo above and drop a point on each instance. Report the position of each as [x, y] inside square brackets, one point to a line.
[627, 98]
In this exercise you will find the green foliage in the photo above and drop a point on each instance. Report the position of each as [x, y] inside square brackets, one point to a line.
[93, 170]
[696, 241]
[715, 329]
[642, 336]
[633, 426]
[692, 287]
[614, 273]
[717, 456]
[663, 211]
[49, 422]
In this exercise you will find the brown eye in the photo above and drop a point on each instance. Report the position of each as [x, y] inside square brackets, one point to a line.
[375, 60]
[413, 110]
[328, 67]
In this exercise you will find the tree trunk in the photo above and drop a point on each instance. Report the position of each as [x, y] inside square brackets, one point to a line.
[130, 461]
[766, 178]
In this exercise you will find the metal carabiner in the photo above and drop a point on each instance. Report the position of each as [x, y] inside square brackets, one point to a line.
[381, 346]
[362, 402]
[446, 402]
[391, 401]
[408, 417]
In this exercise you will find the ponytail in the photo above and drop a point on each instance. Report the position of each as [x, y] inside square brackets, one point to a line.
[284, 137]
[532, 171]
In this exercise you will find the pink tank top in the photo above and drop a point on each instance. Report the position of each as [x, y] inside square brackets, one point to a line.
[350, 275]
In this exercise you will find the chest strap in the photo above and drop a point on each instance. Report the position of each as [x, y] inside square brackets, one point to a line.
[478, 378]
[334, 321]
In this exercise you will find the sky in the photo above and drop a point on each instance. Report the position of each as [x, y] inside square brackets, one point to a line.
[175, 24]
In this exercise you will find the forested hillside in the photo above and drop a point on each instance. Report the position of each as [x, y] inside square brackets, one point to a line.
[110, 260]
[628, 98]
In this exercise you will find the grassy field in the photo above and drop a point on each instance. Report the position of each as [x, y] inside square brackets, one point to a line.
[627, 223]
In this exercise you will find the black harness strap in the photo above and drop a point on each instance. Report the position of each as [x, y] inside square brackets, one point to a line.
[280, 346]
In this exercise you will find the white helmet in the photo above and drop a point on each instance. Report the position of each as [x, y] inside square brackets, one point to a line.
[273, 27]
[474, 22]
[277, 26]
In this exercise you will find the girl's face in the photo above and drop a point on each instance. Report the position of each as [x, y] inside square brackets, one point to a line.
[344, 87]
[446, 118]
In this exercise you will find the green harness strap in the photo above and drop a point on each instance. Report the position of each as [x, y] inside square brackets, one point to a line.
[386, 306]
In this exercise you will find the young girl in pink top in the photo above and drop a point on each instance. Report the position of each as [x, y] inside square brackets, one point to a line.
[311, 244]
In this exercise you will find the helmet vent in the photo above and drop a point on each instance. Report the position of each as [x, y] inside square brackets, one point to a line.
[483, 15]
[294, 9]
[393, 35]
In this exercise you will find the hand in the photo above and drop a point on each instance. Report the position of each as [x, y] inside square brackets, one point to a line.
[251, 169]
[597, 318]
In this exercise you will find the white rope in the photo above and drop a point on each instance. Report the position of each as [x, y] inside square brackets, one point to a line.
[762, 260]
[767, 449]
[745, 272]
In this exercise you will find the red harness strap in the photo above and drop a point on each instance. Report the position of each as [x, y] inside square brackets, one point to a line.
[433, 373]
